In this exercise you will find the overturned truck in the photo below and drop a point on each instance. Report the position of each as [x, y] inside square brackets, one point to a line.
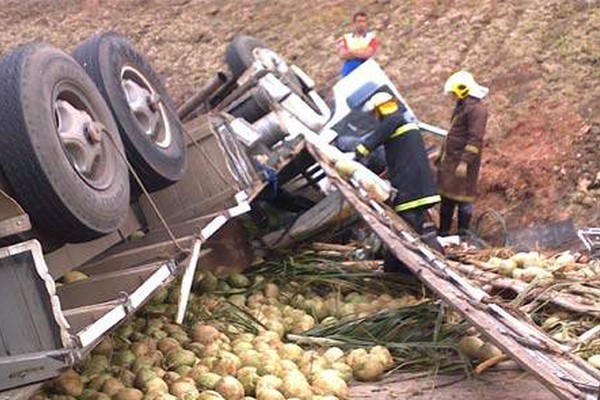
[103, 175]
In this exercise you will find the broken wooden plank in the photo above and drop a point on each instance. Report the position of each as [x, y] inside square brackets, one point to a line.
[563, 373]
[330, 211]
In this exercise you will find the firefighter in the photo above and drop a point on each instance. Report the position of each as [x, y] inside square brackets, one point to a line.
[407, 162]
[358, 46]
[460, 158]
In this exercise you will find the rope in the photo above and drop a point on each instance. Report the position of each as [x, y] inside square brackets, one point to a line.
[146, 193]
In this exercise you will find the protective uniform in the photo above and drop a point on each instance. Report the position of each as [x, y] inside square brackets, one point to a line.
[460, 159]
[407, 162]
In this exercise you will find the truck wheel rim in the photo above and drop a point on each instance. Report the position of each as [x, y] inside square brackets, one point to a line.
[270, 60]
[146, 107]
[83, 138]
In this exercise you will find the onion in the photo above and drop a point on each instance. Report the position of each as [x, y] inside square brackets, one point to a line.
[291, 351]
[295, 385]
[328, 382]
[69, 383]
[237, 299]
[205, 334]
[230, 388]
[129, 394]
[227, 364]
[159, 396]
[506, 267]
[594, 361]
[208, 380]
[250, 358]
[470, 345]
[354, 357]
[238, 281]
[255, 300]
[208, 282]
[95, 364]
[177, 358]
[96, 382]
[210, 395]
[488, 351]
[304, 324]
[73, 276]
[384, 356]
[532, 272]
[288, 366]
[269, 394]
[248, 377]
[271, 290]
[268, 381]
[344, 371]
[126, 377]
[333, 355]
[105, 347]
[171, 377]
[184, 388]
[124, 358]
[167, 344]
[88, 395]
[369, 368]
[112, 386]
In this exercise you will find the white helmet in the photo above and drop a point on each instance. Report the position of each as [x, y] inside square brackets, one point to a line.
[378, 99]
[462, 84]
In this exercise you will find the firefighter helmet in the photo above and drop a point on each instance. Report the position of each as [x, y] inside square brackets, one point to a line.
[383, 102]
[462, 84]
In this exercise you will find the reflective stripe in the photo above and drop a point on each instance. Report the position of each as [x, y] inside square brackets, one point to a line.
[362, 150]
[418, 203]
[472, 149]
[403, 129]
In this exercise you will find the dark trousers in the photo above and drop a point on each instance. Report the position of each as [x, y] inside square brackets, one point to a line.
[465, 212]
[415, 218]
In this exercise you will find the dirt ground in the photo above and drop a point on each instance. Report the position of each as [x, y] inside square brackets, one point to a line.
[490, 386]
[539, 57]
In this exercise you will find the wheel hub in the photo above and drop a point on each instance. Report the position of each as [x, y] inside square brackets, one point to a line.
[82, 138]
[146, 106]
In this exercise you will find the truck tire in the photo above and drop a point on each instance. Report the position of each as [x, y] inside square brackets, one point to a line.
[243, 51]
[59, 145]
[149, 126]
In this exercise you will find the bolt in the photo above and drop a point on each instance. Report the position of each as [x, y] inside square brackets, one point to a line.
[93, 131]
[153, 102]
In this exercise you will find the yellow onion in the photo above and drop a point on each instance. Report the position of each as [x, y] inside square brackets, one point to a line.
[158, 396]
[269, 394]
[268, 381]
[384, 356]
[271, 290]
[69, 383]
[344, 371]
[184, 388]
[205, 334]
[207, 380]
[179, 357]
[488, 351]
[291, 351]
[230, 388]
[227, 364]
[333, 354]
[248, 377]
[369, 368]
[238, 281]
[295, 385]
[594, 361]
[112, 386]
[328, 382]
[210, 395]
[129, 394]
[354, 357]
[74, 276]
[470, 345]
[167, 344]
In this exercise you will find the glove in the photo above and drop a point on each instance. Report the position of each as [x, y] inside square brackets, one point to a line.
[461, 170]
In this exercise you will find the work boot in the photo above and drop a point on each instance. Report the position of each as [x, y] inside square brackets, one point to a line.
[465, 212]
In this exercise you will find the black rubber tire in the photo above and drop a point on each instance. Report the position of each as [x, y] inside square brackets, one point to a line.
[33, 157]
[103, 56]
[239, 57]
